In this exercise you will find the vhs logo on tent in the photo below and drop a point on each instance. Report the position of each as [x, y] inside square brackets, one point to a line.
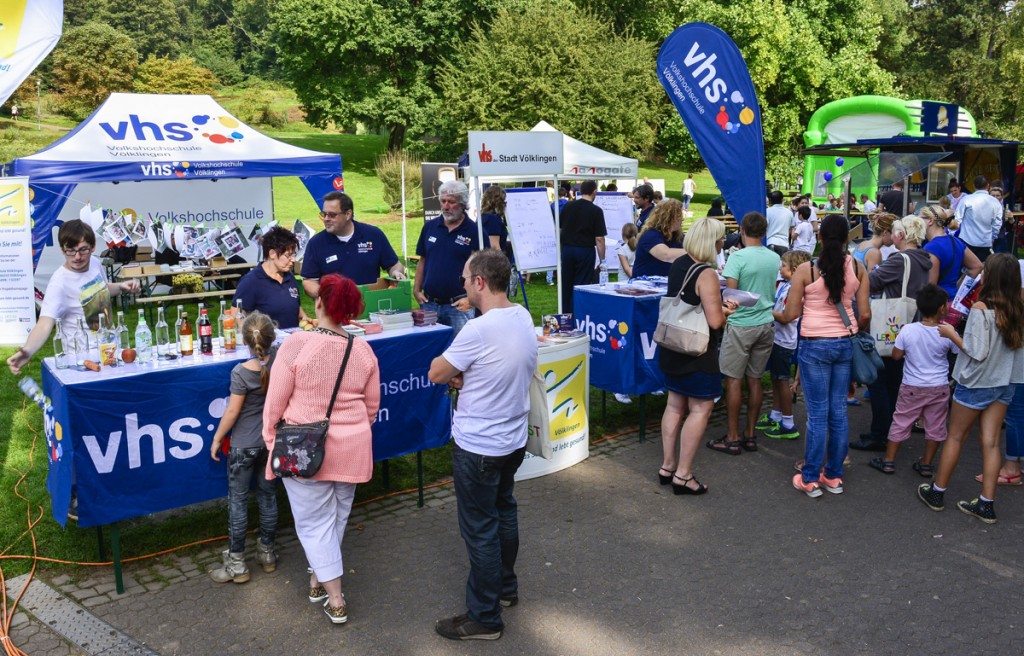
[155, 169]
[174, 131]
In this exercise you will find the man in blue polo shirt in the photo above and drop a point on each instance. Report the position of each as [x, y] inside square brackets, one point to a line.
[355, 250]
[444, 246]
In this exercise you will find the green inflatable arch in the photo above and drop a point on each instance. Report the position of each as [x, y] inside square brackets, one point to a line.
[896, 117]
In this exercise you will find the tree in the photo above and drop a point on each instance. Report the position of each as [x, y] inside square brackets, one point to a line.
[164, 75]
[368, 60]
[91, 62]
[801, 55]
[552, 61]
[158, 27]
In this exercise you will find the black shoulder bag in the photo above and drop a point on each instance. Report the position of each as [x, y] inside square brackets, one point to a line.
[299, 448]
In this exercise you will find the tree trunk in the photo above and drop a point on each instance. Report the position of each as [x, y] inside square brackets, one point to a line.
[396, 137]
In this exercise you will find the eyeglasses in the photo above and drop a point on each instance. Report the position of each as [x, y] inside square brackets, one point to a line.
[288, 256]
[84, 250]
[330, 215]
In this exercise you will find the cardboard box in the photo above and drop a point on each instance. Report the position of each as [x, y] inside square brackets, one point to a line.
[151, 269]
[217, 262]
[386, 294]
[144, 254]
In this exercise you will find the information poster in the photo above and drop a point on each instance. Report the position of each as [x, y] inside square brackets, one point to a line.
[532, 226]
[17, 296]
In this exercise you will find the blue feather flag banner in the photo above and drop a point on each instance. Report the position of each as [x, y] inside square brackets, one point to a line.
[704, 74]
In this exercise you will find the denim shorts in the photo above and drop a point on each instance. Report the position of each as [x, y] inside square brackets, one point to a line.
[780, 364]
[982, 397]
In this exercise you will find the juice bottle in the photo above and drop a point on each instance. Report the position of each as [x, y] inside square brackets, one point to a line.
[185, 336]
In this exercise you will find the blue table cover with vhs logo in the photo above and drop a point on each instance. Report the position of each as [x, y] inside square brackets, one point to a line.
[138, 437]
[623, 355]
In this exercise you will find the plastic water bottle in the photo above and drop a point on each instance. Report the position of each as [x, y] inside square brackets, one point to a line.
[32, 390]
[603, 275]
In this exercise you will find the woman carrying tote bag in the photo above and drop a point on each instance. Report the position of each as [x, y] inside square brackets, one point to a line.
[693, 382]
[919, 268]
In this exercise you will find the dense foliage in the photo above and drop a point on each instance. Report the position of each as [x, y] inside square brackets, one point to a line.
[425, 71]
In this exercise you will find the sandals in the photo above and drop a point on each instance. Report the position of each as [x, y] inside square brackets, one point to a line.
[723, 445]
[1003, 479]
[662, 478]
[683, 489]
[883, 465]
[749, 443]
[924, 470]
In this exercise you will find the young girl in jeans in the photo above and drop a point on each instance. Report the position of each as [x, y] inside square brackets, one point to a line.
[991, 361]
[247, 456]
[819, 291]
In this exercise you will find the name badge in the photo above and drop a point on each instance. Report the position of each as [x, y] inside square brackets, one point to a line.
[333, 258]
[431, 239]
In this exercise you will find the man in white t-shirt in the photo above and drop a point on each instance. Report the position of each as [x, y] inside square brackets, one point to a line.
[491, 362]
[779, 220]
[79, 289]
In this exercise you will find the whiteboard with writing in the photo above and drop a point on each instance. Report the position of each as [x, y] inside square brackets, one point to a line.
[618, 211]
[531, 227]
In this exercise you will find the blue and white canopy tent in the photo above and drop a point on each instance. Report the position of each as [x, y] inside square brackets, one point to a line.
[171, 147]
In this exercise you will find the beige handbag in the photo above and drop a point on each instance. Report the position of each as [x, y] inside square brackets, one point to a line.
[889, 315]
[682, 327]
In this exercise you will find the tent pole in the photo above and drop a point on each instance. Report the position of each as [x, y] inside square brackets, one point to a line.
[479, 213]
[558, 245]
[405, 234]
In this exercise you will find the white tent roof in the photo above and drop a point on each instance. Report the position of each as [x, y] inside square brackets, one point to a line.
[583, 161]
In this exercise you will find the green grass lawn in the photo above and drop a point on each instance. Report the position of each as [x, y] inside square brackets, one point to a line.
[21, 423]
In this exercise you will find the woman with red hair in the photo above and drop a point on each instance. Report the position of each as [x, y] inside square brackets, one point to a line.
[301, 381]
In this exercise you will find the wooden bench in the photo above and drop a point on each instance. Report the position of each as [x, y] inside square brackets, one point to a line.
[150, 301]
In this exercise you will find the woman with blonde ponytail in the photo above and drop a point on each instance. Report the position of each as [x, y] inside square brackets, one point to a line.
[247, 455]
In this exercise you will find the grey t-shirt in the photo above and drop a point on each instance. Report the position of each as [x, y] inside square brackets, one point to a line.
[248, 430]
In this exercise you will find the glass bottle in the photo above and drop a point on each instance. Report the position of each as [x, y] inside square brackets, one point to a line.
[185, 336]
[220, 322]
[107, 343]
[82, 342]
[205, 333]
[177, 325]
[143, 339]
[163, 336]
[123, 338]
[60, 345]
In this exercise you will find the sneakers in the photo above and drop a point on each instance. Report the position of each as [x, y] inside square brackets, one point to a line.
[932, 497]
[833, 485]
[317, 594]
[337, 615]
[266, 556]
[765, 423]
[461, 627]
[623, 398]
[508, 602]
[780, 432]
[812, 489]
[232, 569]
[983, 510]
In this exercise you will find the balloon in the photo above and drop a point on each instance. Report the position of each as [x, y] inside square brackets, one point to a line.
[828, 176]
[839, 161]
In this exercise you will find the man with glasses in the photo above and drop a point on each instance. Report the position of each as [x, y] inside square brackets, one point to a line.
[79, 289]
[355, 250]
[444, 247]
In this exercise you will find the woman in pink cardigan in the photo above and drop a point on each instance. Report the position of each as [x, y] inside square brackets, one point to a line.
[301, 382]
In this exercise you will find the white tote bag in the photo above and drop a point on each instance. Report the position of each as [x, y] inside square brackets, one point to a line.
[889, 315]
[538, 441]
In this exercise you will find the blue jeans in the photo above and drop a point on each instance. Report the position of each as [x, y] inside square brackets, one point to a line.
[243, 466]
[1015, 425]
[450, 316]
[490, 527]
[825, 376]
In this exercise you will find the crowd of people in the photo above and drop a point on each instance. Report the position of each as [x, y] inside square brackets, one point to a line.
[814, 292]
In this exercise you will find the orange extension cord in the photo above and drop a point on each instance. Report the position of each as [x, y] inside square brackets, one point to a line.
[7, 614]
